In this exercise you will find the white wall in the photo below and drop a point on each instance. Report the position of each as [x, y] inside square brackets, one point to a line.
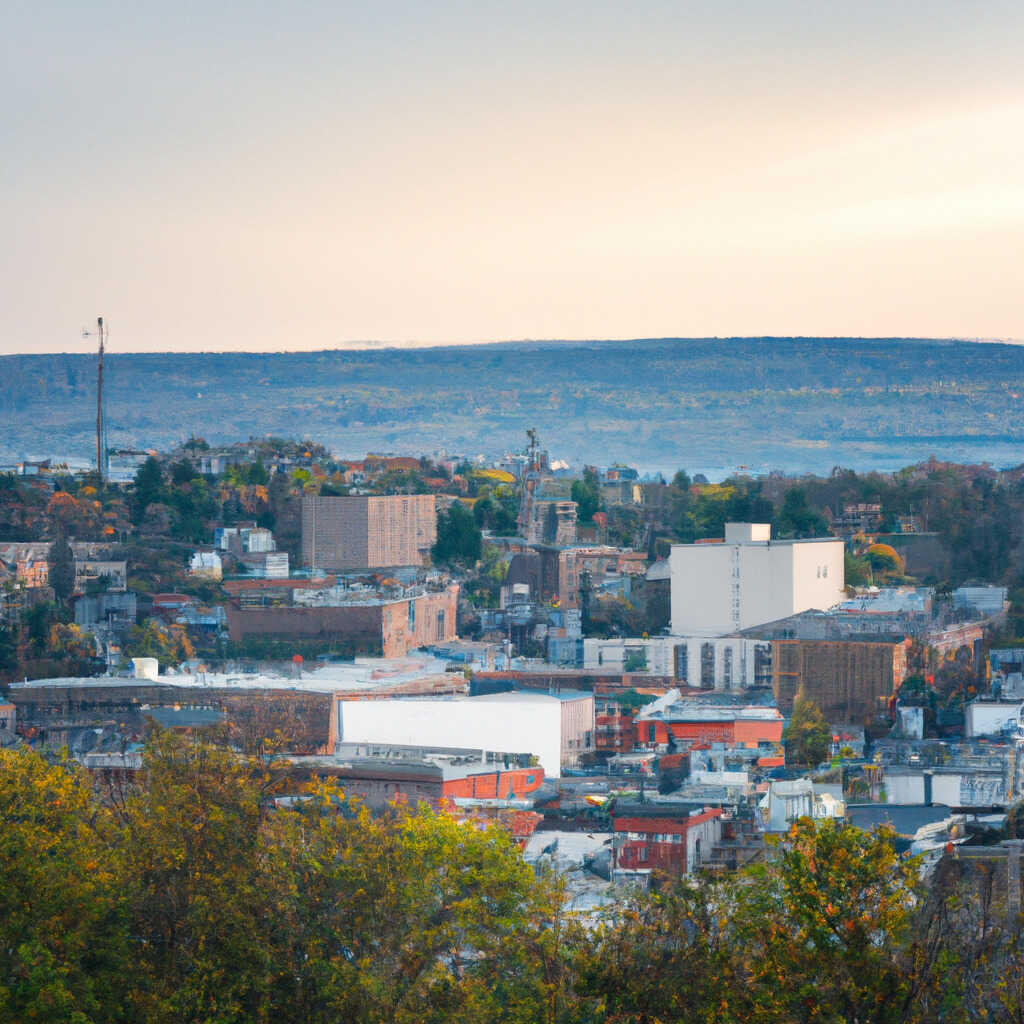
[610, 655]
[984, 718]
[510, 722]
[770, 579]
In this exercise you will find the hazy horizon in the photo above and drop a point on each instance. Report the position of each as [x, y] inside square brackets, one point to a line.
[310, 177]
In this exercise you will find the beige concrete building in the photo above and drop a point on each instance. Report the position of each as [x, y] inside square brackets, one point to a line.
[367, 531]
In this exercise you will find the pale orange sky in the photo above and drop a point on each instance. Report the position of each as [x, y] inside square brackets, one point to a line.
[318, 175]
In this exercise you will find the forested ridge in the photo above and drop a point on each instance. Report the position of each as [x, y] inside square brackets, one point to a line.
[790, 403]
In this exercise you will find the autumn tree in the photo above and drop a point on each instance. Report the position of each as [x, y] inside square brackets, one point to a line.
[63, 938]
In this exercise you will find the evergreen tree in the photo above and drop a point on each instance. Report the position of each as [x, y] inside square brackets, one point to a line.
[62, 569]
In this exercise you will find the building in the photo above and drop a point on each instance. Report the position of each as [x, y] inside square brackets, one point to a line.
[114, 610]
[206, 565]
[747, 579]
[388, 622]
[1006, 668]
[438, 781]
[850, 680]
[716, 663]
[673, 838]
[556, 729]
[93, 574]
[367, 531]
[671, 721]
[551, 521]
[994, 718]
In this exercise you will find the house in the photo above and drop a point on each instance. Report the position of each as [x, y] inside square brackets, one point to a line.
[673, 838]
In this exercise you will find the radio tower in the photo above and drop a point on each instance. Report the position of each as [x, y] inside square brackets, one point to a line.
[101, 423]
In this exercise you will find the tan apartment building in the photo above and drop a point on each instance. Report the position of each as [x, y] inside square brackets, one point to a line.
[367, 531]
[848, 679]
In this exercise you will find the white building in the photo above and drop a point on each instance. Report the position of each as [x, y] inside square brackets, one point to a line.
[698, 662]
[992, 717]
[749, 579]
[557, 729]
[206, 565]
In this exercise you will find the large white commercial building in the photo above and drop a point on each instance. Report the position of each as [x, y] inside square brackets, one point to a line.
[748, 579]
[557, 729]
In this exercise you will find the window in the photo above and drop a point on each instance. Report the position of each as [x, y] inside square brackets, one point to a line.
[652, 733]
[707, 666]
[824, 571]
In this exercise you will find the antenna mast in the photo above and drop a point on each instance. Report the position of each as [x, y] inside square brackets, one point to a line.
[101, 425]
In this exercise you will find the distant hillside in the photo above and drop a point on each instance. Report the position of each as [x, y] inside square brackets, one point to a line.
[706, 404]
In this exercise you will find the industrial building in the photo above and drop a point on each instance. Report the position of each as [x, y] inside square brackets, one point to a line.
[388, 622]
[850, 680]
[674, 838]
[672, 721]
[720, 587]
[556, 729]
[367, 531]
[697, 662]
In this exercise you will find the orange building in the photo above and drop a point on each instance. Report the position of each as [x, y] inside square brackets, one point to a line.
[685, 723]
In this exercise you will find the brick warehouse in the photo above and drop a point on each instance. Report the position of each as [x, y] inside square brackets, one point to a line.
[847, 679]
[390, 627]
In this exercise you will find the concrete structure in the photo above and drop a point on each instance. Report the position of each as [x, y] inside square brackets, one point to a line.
[367, 531]
[390, 623]
[557, 730]
[994, 718]
[720, 663]
[118, 611]
[850, 680]
[8, 717]
[722, 587]
[952, 787]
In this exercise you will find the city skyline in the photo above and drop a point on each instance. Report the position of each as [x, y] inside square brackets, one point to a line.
[326, 176]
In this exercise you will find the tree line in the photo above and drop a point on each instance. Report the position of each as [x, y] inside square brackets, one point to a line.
[198, 893]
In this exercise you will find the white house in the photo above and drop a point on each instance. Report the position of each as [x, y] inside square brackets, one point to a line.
[721, 587]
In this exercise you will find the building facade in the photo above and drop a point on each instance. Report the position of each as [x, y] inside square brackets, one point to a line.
[747, 579]
[850, 680]
[371, 624]
[367, 531]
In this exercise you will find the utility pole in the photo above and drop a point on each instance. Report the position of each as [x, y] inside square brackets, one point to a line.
[101, 426]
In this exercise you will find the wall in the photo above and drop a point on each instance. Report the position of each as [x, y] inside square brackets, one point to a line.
[495, 785]
[681, 658]
[845, 678]
[984, 718]
[578, 727]
[720, 588]
[509, 722]
[365, 532]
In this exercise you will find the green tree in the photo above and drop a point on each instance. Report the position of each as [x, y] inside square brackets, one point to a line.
[459, 540]
[62, 569]
[808, 736]
[587, 495]
[796, 517]
[148, 488]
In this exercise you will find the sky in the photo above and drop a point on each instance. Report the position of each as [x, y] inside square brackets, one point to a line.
[213, 176]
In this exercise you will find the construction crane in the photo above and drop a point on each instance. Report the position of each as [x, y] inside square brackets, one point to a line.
[101, 424]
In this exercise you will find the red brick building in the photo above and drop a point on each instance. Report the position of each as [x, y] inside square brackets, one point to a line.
[673, 838]
[688, 722]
